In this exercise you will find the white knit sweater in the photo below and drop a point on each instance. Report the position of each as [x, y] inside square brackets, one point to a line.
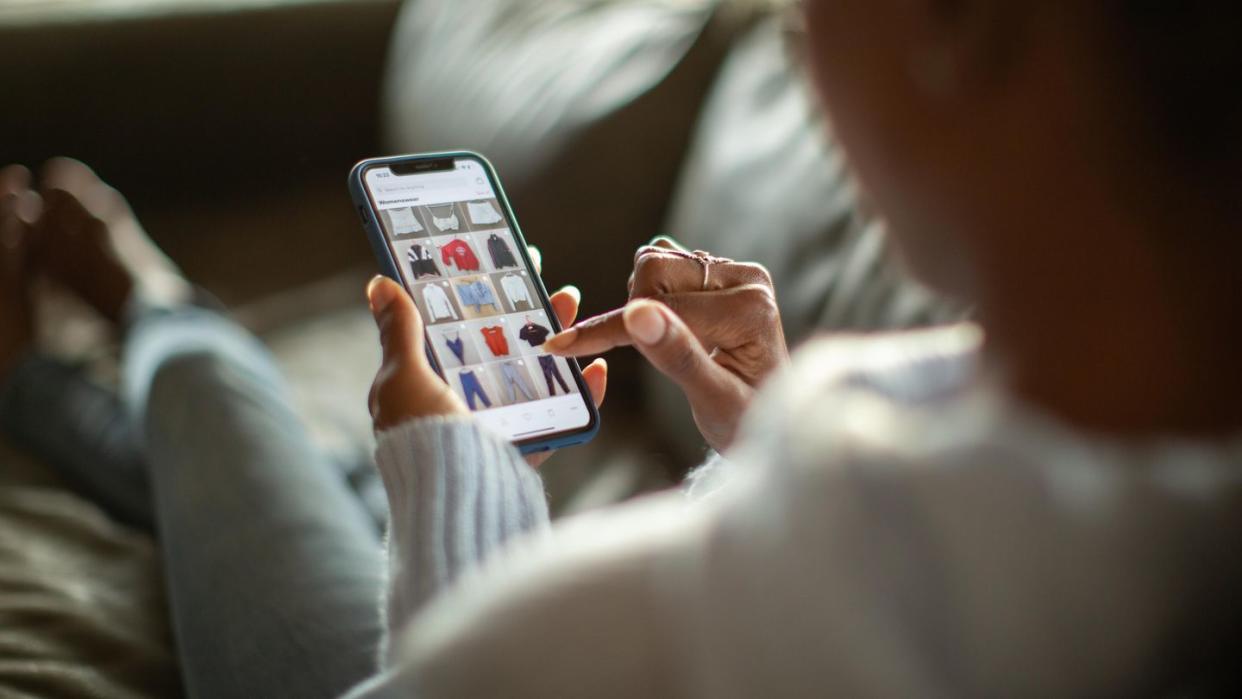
[887, 526]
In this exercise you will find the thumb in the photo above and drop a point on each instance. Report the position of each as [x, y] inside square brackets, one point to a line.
[396, 316]
[663, 338]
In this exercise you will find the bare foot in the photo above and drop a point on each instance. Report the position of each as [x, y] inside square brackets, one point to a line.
[89, 239]
[16, 319]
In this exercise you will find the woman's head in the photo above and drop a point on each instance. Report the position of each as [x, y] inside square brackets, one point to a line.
[984, 130]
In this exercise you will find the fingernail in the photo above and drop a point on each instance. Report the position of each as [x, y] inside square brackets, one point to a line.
[561, 340]
[379, 294]
[645, 323]
[573, 291]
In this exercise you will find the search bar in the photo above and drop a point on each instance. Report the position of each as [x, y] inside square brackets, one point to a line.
[425, 184]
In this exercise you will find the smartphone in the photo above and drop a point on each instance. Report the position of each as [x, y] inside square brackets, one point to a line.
[440, 224]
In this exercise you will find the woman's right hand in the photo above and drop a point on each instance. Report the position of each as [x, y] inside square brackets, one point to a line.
[709, 324]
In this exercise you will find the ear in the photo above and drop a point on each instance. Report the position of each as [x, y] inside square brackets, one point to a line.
[967, 46]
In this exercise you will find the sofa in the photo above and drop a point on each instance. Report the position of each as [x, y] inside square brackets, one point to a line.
[615, 121]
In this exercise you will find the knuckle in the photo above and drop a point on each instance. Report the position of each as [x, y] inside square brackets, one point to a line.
[373, 398]
[385, 324]
[56, 197]
[767, 314]
[757, 294]
[659, 245]
[644, 264]
[387, 386]
[647, 273]
[644, 251]
[760, 301]
[750, 294]
[390, 373]
[657, 274]
[757, 272]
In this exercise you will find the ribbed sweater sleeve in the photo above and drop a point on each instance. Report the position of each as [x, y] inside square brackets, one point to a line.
[456, 493]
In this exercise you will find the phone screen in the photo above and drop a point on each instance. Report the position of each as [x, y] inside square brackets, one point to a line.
[464, 264]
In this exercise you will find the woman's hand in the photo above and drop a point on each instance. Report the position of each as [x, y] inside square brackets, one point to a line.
[406, 387]
[710, 324]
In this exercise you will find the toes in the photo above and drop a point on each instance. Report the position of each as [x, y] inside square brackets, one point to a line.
[64, 206]
[67, 174]
[14, 179]
[77, 178]
[10, 226]
[71, 234]
[16, 198]
[23, 206]
[64, 216]
[15, 239]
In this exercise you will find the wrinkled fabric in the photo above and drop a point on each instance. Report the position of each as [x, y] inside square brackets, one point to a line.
[889, 523]
[82, 605]
[524, 76]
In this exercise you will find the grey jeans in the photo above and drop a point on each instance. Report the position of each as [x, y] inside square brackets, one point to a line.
[273, 564]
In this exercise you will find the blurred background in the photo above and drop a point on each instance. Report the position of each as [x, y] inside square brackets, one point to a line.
[231, 124]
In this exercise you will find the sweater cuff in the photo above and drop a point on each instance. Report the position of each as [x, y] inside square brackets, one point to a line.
[456, 493]
[707, 479]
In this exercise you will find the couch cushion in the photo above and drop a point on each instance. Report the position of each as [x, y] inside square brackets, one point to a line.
[82, 609]
[518, 80]
[585, 106]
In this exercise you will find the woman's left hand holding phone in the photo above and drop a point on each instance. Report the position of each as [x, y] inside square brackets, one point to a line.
[407, 388]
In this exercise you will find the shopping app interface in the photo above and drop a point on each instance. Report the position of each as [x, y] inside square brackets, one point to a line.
[456, 252]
